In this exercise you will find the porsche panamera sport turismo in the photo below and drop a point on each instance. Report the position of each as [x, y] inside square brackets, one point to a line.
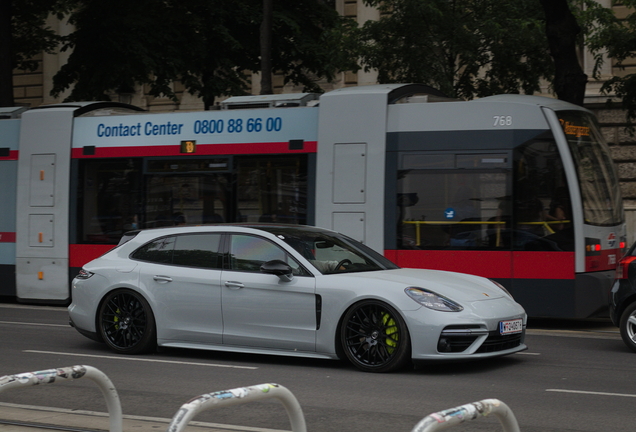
[287, 290]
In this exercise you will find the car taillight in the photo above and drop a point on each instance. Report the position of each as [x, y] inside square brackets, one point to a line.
[621, 268]
[84, 274]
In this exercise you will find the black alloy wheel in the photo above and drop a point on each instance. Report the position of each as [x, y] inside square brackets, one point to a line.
[126, 322]
[375, 338]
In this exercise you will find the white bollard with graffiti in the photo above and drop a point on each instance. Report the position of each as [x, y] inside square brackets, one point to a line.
[50, 376]
[450, 417]
[239, 396]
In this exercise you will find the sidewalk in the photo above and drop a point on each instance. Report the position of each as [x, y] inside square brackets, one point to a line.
[39, 419]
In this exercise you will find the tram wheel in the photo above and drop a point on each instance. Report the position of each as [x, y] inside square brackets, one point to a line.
[126, 322]
[374, 337]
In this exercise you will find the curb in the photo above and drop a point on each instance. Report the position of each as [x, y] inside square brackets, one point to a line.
[26, 418]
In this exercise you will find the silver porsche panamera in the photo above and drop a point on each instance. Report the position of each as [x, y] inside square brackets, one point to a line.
[287, 290]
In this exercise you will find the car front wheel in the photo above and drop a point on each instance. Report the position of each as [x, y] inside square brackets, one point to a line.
[126, 322]
[628, 326]
[374, 337]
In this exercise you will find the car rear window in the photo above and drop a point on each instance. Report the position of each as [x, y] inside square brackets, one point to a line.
[192, 250]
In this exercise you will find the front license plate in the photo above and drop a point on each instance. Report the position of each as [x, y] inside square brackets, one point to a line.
[512, 326]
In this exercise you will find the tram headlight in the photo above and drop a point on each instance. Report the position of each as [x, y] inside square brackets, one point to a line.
[84, 274]
[502, 287]
[432, 300]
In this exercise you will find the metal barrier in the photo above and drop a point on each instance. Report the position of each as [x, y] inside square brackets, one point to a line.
[433, 422]
[450, 417]
[239, 396]
[71, 373]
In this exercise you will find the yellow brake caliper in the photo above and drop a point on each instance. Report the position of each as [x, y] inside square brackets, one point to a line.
[391, 332]
[116, 319]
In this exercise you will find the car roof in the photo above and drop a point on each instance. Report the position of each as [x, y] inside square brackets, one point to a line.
[224, 227]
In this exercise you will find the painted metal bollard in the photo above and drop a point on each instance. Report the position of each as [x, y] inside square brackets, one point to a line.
[50, 376]
[239, 396]
[450, 417]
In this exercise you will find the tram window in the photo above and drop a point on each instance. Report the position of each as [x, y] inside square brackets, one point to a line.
[108, 199]
[186, 199]
[542, 210]
[455, 209]
[116, 195]
[272, 189]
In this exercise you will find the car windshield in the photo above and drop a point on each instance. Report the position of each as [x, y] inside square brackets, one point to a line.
[330, 252]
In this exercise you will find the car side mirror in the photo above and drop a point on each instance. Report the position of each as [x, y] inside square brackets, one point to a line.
[278, 268]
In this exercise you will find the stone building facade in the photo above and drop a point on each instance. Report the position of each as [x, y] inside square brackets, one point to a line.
[33, 89]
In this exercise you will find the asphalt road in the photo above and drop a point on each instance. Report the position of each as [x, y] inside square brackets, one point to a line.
[576, 376]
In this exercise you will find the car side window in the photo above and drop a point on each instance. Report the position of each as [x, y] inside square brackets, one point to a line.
[192, 250]
[198, 250]
[158, 251]
[248, 253]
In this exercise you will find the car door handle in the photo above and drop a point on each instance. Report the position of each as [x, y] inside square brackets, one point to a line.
[162, 278]
[234, 285]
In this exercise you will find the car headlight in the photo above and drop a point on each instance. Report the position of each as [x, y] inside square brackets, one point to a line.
[432, 300]
[84, 274]
[502, 287]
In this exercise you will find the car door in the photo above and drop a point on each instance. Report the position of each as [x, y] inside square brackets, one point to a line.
[183, 275]
[262, 310]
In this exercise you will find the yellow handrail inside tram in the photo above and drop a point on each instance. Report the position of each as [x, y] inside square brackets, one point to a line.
[545, 224]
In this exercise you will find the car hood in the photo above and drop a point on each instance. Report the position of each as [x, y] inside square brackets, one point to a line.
[457, 286]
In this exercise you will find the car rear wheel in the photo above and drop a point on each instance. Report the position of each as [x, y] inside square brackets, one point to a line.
[628, 326]
[374, 337]
[126, 322]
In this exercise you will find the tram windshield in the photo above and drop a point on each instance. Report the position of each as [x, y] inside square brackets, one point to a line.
[598, 181]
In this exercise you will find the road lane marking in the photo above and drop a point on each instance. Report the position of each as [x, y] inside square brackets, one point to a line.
[528, 353]
[592, 393]
[587, 334]
[35, 324]
[140, 359]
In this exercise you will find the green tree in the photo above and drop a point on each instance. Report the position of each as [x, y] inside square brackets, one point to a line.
[465, 48]
[211, 46]
[23, 35]
[609, 36]
[118, 44]
[311, 42]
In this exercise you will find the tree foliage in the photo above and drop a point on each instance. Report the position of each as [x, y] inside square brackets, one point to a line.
[609, 36]
[208, 45]
[466, 48]
[24, 35]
